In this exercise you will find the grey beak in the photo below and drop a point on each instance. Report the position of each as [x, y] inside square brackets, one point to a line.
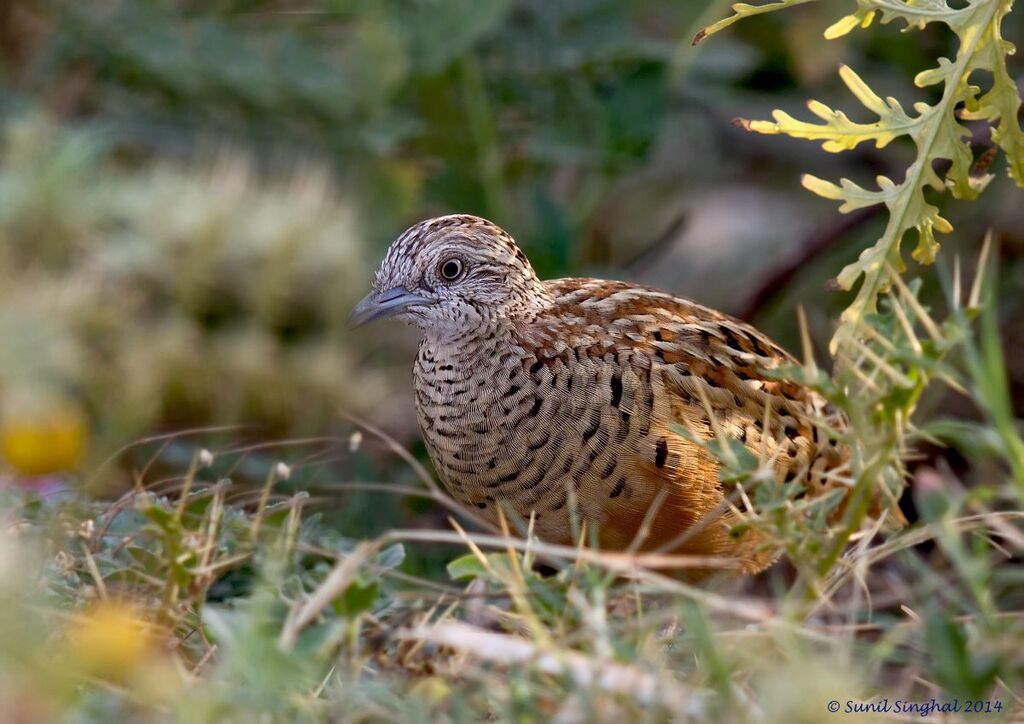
[383, 304]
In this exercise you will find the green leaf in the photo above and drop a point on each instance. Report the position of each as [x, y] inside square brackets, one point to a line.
[157, 511]
[936, 131]
[917, 14]
[466, 568]
[745, 10]
[356, 599]
[391, 557]
[460, 22]
[955, 667]
[1002, 102]
[315, 640]
[148, 561]
[838, 132]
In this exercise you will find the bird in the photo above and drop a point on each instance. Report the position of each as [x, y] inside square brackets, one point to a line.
[594, 400]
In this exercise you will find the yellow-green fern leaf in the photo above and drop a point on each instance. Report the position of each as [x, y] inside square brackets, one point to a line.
[745, 10]
[935, 130]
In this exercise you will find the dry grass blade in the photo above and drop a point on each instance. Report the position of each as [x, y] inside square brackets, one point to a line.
[340, 577]
[613, 560]
[507, 650]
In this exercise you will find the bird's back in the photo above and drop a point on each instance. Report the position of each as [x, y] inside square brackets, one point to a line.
[595, 402]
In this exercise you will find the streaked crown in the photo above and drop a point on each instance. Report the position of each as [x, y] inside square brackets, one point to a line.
[452, 273]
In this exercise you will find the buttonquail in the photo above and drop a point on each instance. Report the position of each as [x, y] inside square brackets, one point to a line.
[528, 389]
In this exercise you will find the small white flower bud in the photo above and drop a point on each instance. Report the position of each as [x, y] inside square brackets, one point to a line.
[205, 458]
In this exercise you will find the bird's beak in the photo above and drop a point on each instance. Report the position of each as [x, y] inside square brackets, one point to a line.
[383, 304]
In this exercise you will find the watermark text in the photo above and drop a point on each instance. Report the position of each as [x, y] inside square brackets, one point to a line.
[923, 708]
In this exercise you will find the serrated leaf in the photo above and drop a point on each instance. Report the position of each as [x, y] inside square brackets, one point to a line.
[916, 13]
[935, 130]
[853, 196]
[844, 25]
[745, 10]
[837, 132]
[1001, 104]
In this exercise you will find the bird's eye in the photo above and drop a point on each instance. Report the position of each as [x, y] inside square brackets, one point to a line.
[451, 269]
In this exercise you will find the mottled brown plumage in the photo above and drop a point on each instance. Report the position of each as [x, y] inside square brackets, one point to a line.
[532, 393]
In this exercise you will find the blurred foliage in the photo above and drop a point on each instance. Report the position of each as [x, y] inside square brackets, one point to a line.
[167, 295]
[134, 598]
[394, 92]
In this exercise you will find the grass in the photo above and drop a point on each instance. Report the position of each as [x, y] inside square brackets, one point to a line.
[193, 599]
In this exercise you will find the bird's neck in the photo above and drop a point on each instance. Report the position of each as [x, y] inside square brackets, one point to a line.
[488, 341]
[488, 347]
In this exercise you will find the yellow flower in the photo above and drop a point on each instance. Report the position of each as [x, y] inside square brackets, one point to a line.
[112, 640]
[433, 689]
[43, 442]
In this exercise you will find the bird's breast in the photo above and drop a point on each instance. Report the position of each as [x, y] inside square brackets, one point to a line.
[531, 434]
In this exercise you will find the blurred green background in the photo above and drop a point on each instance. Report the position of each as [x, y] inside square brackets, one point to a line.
[193, 195]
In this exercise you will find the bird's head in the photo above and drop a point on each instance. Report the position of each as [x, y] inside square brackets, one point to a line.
[453, 275]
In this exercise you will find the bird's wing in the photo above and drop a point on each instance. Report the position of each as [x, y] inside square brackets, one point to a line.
[706, 374]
